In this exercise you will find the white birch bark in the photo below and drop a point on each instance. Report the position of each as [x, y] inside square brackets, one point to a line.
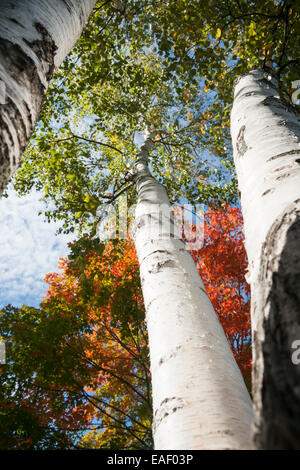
[266, 141]
[35, 37]
[199, 397]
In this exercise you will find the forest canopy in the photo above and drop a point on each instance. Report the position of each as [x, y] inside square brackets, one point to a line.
[185, 111]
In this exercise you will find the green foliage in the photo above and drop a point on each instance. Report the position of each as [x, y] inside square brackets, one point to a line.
[114, 85]
[164, 65]
[36, 386]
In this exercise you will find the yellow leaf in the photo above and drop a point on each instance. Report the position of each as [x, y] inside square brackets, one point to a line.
[219, 32]
[186, 96]
[267, 49]
[201, 179]
[190, 116]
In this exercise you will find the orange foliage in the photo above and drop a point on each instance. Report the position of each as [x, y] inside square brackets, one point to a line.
[222, 264]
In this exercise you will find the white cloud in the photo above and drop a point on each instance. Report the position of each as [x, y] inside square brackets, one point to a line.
[29, 249]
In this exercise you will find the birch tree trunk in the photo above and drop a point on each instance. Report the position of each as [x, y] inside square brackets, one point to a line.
[266, 140]
[199, 397]
[35, 37]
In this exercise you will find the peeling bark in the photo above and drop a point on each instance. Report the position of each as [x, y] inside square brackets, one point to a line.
[199, 397]
[35, 36]
[269, 184]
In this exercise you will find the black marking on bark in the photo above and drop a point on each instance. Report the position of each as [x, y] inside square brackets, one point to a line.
[282, 177]
[28, 113]
[275, 378]
[158, 251]
[239, 78]
[160, 265]
[250, 93]
[288, 174]
[167, 407]
[68, 5]
[172, 235]
[268, 191]
[166, 358]
[284, 167]
[166, 252]
[16, 22]
[203, 290]
[284, 154]
[241, 145]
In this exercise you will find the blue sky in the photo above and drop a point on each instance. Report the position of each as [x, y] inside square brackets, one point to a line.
[29, 249]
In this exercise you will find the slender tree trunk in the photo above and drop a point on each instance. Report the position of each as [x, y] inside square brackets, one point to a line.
[199, 397]
[266, 141]
[35, 37]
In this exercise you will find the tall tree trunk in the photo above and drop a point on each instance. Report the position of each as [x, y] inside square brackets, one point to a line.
[35, 37]
[266, 141]
[199, 397]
